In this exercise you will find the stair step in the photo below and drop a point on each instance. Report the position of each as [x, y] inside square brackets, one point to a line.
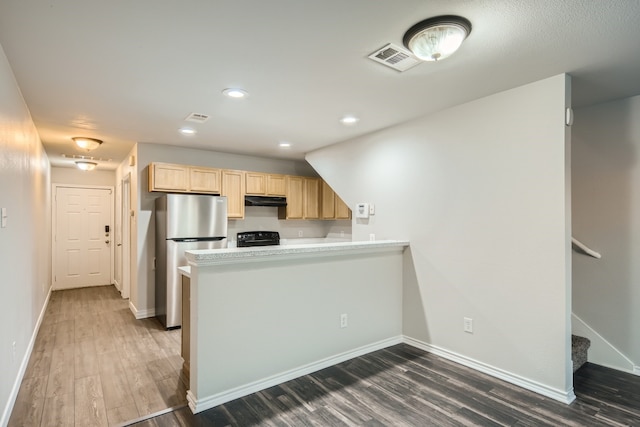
[579, 348]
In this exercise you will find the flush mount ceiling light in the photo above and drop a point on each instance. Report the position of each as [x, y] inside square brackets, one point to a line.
[437, 38]
[87, 143]
[86, 166]
[235, 93]
[284, 145]
[187, 131]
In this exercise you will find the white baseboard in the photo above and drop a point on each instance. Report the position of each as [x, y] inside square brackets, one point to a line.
[636, 370]
[141, 314]
[559, 395]
[23, 365]
[208, 402]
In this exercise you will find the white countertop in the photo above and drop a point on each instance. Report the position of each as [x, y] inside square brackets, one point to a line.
[264, 253]
[185, 271]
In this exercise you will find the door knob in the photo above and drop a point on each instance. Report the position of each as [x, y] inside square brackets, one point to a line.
[106, 241]
[119, 244]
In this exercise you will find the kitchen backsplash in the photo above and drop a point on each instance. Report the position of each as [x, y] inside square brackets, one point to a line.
[266, 218]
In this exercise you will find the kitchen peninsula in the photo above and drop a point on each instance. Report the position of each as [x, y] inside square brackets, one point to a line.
[262, 316]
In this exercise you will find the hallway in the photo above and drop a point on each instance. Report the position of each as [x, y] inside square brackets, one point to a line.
[93, 363]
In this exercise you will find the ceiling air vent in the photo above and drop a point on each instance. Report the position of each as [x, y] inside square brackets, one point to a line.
[395, 57]
[197, 118]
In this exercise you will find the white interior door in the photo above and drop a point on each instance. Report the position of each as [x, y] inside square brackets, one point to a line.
[83, 231]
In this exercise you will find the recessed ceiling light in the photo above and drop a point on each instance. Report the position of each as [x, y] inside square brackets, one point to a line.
[187, 131]
[349, 120]
[285, 145]
[235, 93]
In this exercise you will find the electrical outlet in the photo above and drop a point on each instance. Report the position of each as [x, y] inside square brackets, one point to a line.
[468, 325]
[344, 320]
[341, 233]
[372, 237]
[299, 233]
[372, 209]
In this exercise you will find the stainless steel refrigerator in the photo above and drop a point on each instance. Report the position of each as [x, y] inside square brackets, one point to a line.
[183, 222]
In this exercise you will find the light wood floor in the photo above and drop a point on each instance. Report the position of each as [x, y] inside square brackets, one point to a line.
[93, 364]
[404, 386]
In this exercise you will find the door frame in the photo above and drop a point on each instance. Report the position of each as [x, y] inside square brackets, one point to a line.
[125, 235]
[54, 219]
[117, 268]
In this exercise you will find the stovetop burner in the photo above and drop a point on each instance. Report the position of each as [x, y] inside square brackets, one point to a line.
[258, 238]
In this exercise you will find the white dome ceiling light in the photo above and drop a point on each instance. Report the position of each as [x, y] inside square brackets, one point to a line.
[86, 166]
[437, 38]
[87, 143]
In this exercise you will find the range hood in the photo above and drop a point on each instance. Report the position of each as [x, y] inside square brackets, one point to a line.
[264, 201]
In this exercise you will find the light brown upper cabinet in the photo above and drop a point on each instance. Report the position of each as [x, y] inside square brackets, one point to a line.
[204, 180]
[332, 206]
[265, 184]
[295, 202]
[255, 183]
[307, 198]
[276, 185]
[342, 209]
[311, 196]
[169, 177]
[233, 189]
[328, 202]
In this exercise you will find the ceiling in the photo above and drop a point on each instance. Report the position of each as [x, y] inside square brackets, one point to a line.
[131, 71]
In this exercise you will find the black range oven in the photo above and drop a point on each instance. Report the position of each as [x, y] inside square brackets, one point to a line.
[258, 238]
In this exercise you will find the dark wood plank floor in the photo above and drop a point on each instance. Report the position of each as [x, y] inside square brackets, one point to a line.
[404, 386]
[94, 364]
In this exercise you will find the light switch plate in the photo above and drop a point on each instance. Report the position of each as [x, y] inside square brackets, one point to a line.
[3, 217]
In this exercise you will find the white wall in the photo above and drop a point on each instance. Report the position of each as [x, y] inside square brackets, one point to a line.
[76, 176]
[25, 242]
[481, 191]
[143, 291]
[606, 217]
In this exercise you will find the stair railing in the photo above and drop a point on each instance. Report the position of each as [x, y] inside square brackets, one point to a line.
[584, 248]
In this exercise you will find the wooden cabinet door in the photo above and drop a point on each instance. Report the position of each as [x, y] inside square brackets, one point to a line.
[328, 202]
[342, 209]
[168, 177]
[204, 180]
[311, 207]
[294, 208]
[233, 188]
[276, 185]
[255, 183]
